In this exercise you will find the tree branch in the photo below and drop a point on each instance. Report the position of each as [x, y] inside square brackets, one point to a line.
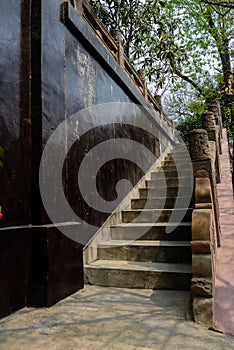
[185, 77]
[224, 4]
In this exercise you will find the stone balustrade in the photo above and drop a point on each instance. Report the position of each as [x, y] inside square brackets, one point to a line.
[204, 146]
[113, 42]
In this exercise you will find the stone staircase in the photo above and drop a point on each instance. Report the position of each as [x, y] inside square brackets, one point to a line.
[140, 254]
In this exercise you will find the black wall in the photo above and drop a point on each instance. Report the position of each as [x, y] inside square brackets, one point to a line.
[51, 66]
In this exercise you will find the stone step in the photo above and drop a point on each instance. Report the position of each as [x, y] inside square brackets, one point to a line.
[169, 174]
[179, 152]
[173, 167]
[174, 161]
[157, 231]
[129, 274]
[178, 156]
[154, 203]
[182, 181]
[168, 191]
[154, 215]
[147, 251]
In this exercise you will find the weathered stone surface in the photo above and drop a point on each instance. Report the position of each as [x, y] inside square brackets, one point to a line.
[142, 74]
[201, 221]
[116, 33]
[146, 251]
[208, 121]
[198, 145]
[202, 190]
[201, 247]
[126, 274]
[202, 287]
[203, 310]
[153, 232]
[215, 108]
[202, 265]
[100, 318]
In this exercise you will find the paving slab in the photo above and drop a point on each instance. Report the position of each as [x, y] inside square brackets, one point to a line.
[99, 318]
[224, 292]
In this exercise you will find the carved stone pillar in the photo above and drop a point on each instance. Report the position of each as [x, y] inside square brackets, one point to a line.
[209, 124]
[215, 108]
[202, 168]
[116, 33]
[205, 220]
[142, 76]
[199, 145]
[203, 254]
[208, 121]
[158, 98]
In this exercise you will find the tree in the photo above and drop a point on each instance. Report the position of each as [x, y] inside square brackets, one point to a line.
[178, 42]
[144, 26]
[204, 29]
[225, 4]
[185, 39]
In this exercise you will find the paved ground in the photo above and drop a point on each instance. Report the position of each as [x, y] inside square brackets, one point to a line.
[224, 300]
[100, 318]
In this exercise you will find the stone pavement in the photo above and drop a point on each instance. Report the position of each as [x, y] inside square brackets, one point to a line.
[224, 298]
[100, 318]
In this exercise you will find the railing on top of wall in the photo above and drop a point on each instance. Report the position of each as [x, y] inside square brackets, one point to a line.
[205, 148]
[114, 45]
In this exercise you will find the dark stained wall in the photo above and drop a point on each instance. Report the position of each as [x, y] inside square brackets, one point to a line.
[52, 65]
[14, 113]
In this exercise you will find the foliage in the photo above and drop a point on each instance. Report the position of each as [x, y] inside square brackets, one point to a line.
[205, 30]
[145, 29]
[190, 123]
[177, 42]
[186, 39]
[186, 108]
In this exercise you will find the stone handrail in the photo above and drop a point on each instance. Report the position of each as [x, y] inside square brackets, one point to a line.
[205, 148]
[114, 45]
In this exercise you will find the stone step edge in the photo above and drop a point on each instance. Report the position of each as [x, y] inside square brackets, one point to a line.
[158, 224]
[155, 210]
[159, 198]
[143, 243]
[169, 178]
[165, 187]
[120, 265]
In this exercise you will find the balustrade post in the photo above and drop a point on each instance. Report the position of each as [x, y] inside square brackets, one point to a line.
[142, 76]
[214, 107]
[199, 145]
[209, 124]
[116, 33]
[205, 224]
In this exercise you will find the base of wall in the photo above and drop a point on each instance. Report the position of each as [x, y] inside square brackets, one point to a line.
[38, 266]
[14, 261]
[56, 266]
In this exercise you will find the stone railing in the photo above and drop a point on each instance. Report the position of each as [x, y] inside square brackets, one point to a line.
[113, 42]
[205, 148]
